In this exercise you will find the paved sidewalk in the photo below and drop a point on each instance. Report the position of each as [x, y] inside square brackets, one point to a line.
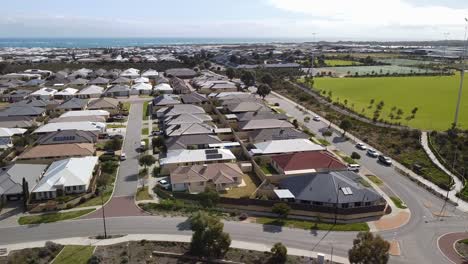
[176, 238]
[463, 206]
[458, 183]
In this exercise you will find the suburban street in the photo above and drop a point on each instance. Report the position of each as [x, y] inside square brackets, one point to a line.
[418, 238]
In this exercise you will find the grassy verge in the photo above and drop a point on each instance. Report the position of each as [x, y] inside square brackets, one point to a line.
[126, 106]
[110, 179]
[365, 183]
[308, 225]
[145, 131]
[398, 202]
[375, 180]
[142, 194]
[324, 142]
[52, 217]
[145, 110]
[74, 255]
[115, 126]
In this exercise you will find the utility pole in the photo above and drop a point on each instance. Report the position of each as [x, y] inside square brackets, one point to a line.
[103, 213]
[462, 75]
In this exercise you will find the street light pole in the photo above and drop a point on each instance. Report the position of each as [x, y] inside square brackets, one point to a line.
[462, 75]
[103, 213]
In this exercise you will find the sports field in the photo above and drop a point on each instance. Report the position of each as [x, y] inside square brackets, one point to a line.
[435, 97]
[337, 62]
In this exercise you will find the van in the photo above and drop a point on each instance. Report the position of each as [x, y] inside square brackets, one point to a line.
[354, 167]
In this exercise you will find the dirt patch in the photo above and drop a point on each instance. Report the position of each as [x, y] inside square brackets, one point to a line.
[462, 248]
[42, 255]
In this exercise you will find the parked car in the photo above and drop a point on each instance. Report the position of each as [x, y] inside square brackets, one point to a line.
[354, 167]
[123, 156]
[361, 146]
[372, 153]
[156, 133]
[385, 160]
[118, 118]
[316, 118]
[118, 136]
[165, 184]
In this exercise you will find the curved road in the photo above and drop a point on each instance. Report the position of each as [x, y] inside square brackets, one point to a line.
[418, 238]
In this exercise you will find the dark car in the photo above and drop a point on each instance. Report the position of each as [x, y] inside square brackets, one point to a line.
[385, 160]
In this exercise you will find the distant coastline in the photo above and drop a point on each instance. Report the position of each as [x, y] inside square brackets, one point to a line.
[131, 42]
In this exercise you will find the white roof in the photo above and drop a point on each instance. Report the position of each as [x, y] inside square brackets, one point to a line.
[45, 91]
[150, 73]
[142, 86]
[67, 172]
[285, 146]
[86, 113]
[8, 132]
[92, 89]
[141, 80]
[196, 155]
[130, 73]
[163, 87]
[67, 91]
[283, 193]
[84, 126]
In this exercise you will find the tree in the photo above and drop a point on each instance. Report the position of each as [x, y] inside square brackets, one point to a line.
[295, 123]
[355, 155]
[263, 90]
[208, 238]
[345, 125]
[281, 209]
[369, 249]
[208, 198]
[113, 144]
[146, 160]
[248, 78]
[267, 78]
[109, 166]
[230, 73]
[25, 186]
[280, 253]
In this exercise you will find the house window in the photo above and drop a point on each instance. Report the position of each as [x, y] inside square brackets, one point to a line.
[317, 203]
[201, 183]
[357, 204]
[74, 188]
[305, 202]
[345, 205]
[367, 204]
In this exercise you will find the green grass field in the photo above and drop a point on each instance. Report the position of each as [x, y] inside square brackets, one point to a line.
[52, 217]
[338, 62]
[74, 255]
[435, 97]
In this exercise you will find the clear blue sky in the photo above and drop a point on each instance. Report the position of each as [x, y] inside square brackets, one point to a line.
[331, 19]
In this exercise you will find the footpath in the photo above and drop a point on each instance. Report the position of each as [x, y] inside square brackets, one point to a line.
[85, 241]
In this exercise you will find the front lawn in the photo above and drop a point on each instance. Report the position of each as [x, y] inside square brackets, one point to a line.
[74, 255]
[145, 110]
[142, 194]
[106, 195]
[398, 202]
[251, 182]
[375, 180]
[145, 131]
[115, 126]
[52, 217]
[310, 225]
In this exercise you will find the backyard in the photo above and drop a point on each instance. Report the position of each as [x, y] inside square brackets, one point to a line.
[251, 183]
[434, 96]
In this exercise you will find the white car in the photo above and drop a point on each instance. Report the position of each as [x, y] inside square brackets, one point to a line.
[372, 153]
[316, 118]
[164, 183]
[123, 156]
[354, 167]
[361, 146]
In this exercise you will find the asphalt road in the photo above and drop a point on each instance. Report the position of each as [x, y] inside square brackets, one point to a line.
[127, 178]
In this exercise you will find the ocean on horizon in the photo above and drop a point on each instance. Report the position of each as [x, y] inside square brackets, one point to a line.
[129, 42]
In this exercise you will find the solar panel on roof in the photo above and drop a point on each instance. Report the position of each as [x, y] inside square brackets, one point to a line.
[214, 156]
[211, 151]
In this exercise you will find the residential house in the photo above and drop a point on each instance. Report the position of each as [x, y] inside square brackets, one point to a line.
[99, 81]
[246, 116]
[262, 135]
[163, 88]
[258, 124]
[66, 176]
[49, 153]
[284, 146]
[15, 96]
[141, 88]
[150, 74]
[245, 106]
[68, 137]
[105, 103]
[25, 110]
[188, 129]
[217, 87]
[187, 157]
[79, 82]
[179, 86]
[11, 179]
[141, 80]
[84, 126]
[178, 110]
[193, 98]
[6, 136]
[196, 178]
[92, 91]
[187, 119]
[130, 73]
[34, 83]
[336, 189]
[74, 104]
[183, 73]
[161, 79]
[121, 81]
[118, 91]
[90, 118]
[306, 162]
[43, 93]
[18, 121]
[46, 104]
[102, 113]
[66, 93]
[163, 101]
[191, 142]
